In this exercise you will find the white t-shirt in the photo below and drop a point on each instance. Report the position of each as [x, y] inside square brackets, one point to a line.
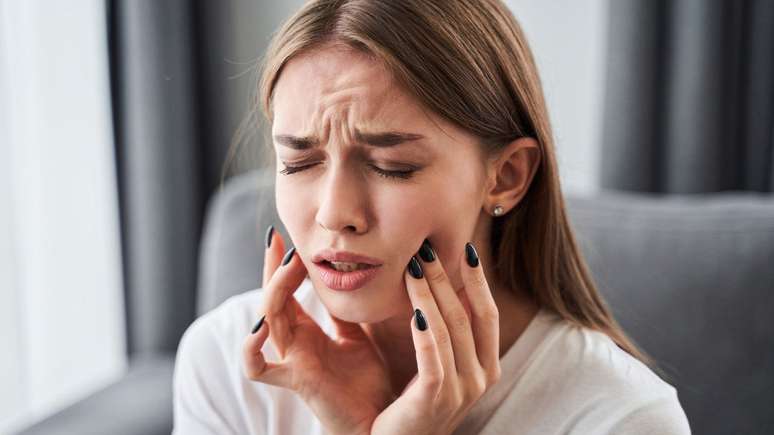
[557, 378]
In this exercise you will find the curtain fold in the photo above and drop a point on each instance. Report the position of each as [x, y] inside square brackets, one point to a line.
[182, 76]
[689, 103]
[160, 166]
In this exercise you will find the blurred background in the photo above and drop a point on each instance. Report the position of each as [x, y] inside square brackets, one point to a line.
[116, 120]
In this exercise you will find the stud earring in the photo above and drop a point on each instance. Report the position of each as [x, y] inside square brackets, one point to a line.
[498, 210]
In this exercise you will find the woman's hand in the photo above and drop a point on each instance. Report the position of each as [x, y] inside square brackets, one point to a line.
[343, 381]
[458, 356]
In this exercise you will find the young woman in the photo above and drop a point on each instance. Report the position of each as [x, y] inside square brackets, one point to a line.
[434, 285]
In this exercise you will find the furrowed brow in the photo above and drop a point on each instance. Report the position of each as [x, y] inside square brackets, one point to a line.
[380, 140]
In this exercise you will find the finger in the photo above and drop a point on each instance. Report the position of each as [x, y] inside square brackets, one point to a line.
[452, 310]
[430, 370]
[256, 368]
[273, 253]
[274, 249]
[422, 297]
[485, 316]
[279, 313]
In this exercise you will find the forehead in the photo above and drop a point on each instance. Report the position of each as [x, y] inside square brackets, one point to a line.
[320, 85]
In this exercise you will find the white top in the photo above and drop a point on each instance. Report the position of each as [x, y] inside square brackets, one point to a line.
[557, 378]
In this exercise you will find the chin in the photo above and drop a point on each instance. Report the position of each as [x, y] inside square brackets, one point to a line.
[369, 304]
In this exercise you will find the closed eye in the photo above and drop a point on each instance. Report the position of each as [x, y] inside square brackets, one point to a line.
[289, 169]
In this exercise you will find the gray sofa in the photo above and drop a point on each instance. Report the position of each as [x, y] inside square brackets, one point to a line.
[690, 277]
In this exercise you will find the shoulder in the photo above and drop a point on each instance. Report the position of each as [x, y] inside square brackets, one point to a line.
[604, 385]
[211, 393]
[206, 377]
[662, 415]
[595, 355]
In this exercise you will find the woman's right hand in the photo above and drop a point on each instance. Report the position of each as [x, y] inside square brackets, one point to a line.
[343, 380]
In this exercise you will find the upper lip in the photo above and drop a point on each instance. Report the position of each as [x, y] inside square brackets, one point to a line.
[344, 256]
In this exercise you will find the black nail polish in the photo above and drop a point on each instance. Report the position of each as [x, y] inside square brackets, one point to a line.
[471, 255]
[288, 256]
[415, 269]
[420, 319]
[269, 235]
[258, 325]
[426, 252]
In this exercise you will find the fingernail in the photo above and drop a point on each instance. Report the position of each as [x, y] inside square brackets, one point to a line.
[258, 325]
[288, 256]
[414, 268]
[269, 234]
[471, 255]
[426, 252]
[420, 319]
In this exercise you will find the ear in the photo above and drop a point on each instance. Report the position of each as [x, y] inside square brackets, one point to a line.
[511, 173]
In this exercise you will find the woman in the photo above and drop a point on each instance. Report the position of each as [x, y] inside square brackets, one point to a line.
[434, 285]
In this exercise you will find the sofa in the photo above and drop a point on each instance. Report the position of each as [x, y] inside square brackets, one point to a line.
[689, 277]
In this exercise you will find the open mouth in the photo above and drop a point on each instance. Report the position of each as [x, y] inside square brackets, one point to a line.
[346, 276]
[341, 266]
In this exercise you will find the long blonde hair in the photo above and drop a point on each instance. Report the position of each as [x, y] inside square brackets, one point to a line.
[469, 62]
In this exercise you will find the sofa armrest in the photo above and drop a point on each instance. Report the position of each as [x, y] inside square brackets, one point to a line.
[139, 403]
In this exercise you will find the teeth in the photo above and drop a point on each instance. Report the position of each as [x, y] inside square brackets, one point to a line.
[347, 267]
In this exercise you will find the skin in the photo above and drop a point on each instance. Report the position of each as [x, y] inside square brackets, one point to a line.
[339, 201]
[328, 94]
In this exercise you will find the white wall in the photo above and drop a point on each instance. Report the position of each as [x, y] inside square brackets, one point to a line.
[568, 39]
[61, 303]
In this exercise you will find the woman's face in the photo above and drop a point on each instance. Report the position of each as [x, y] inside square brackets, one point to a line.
[340, 102]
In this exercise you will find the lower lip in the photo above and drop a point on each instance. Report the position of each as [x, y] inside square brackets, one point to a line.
[345, 281]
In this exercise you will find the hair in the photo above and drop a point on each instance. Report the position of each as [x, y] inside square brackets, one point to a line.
[469, 62]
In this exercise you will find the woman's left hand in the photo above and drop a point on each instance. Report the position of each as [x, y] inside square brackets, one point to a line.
[458, 353]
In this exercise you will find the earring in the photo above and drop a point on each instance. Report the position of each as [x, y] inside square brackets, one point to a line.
[498, 210]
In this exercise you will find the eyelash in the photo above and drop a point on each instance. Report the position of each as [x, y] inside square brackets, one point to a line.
[404, 175]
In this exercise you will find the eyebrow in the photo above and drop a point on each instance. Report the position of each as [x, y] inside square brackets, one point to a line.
[380, 140]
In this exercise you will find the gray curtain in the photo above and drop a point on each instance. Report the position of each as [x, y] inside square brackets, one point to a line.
[689, 104]
[161, 166]
[182, 76]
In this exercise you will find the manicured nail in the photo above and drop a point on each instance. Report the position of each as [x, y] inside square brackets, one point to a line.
[288, 256]
[426, 252]
[269, 235]
[471, 255]
[414, 268]
[258, 325]
[420, 319]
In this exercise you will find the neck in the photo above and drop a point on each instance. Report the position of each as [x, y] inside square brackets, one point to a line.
[396, 347]
[516, 310]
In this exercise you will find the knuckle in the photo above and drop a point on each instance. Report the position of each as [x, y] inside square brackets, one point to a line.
[474, 388]
[494, 374]
[426, 347]
[491, 313]
[459, 319]
[479, 385]
[251, 372]
[433, 382]
[479, 279]
[457, 398]
[435, 274]
[443, 338]
[424, 294]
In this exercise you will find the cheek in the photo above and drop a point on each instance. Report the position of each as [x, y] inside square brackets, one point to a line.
[444, 213]
[447, 215]
[292, 209]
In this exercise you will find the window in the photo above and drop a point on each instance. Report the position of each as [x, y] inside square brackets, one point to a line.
[61, 304]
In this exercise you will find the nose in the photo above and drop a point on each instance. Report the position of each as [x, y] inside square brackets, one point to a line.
[342, 205]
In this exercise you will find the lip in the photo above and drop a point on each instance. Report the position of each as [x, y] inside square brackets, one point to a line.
[344, 256]
[345, 281]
